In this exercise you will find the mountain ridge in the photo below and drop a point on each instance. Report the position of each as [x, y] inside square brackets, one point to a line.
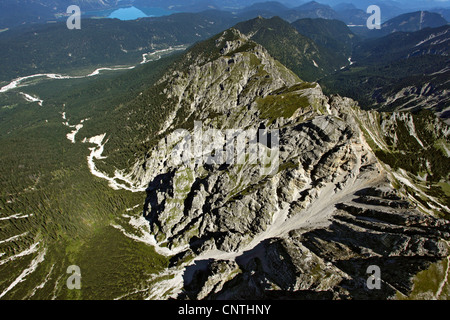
[344, 188]
[209, 215]
[401, 71]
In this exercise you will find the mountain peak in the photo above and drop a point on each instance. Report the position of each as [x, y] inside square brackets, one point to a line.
[326, 187]
[413, 21]
[269, 5]
[312, 5]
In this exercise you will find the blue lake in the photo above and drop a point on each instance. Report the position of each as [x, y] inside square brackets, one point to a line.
[133, 13]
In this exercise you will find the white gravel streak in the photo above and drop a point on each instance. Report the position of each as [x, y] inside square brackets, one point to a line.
[42, 285]
[71, 136]
[445, 280]
[146, 57]
[96, 153]
[402, 176]
[22, 277]
[142, 225]
[161, 289]
[16, 216]
[446, 150]
[31, 98]
[32, 249]
[167, 288]
[13, 238]
[16, 83]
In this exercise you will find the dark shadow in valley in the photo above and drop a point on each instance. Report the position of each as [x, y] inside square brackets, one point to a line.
[161, 184]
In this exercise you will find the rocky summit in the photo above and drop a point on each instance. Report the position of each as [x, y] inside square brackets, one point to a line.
[227, 151]
[311, 225]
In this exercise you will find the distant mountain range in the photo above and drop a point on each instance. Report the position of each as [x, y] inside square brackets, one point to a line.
[310, 48]
[408, 22]
[393, 18]
[18, 12]
[348, 14]
[401, 71]
[413, 21]
[315, 49]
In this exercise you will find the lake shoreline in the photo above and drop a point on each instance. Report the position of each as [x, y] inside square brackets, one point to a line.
[129, 12]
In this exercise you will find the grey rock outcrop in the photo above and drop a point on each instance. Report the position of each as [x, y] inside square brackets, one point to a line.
[312, 225]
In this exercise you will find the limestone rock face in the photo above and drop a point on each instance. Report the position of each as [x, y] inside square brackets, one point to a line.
[307, 224]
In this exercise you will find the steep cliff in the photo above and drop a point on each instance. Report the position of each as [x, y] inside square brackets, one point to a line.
[301, 206]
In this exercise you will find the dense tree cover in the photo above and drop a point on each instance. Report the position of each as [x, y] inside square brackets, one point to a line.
[416, 62]
[408, 154]
[369, 83]
[402, 45]
[100, 43]
[331, 34]
[45, 177]
[429, 161]
[301, 54]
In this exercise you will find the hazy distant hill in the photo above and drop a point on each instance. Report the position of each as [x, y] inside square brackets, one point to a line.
[17, 12]
[401, 71]
[408, 22]
[314, 9]
[414, 21]
[272, 6]
[445, 13]
[350, 14]
[402, 45]
[331, 34]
